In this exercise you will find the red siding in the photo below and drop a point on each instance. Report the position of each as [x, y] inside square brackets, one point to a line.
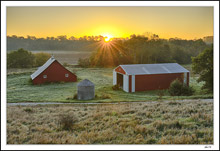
[187, 78]
[120, 70]
[130, 83]
[55, 73]
[155, 81]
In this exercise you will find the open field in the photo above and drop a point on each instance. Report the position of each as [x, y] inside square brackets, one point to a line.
[20, 90]
[152, 121]
[158, 122]
[69, 57]
[64, 56]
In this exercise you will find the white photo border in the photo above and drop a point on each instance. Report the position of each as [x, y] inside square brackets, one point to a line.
[5, 4]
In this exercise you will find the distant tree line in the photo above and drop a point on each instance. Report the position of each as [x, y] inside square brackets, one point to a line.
[144, 50]
[52, 43]
[25, 59]
[137, 49]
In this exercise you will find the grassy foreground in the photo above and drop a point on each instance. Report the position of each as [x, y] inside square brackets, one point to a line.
[158, 122]
[20, 90]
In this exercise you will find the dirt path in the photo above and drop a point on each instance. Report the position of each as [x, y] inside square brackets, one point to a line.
[52, 103]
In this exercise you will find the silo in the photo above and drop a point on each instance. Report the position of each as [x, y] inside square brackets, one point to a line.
[85, 90]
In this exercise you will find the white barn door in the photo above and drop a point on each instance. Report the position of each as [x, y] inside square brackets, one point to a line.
[185, 77]
[133, 83]
[114, 78]
[126, 83]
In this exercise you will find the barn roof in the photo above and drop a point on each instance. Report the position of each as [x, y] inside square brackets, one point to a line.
[85, 82]
[137, 69]
[42, 68]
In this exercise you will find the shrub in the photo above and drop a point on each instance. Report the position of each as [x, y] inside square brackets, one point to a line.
[69, 98]
[75, 96]
[179, 89]
[28, 110]
[65, 64]
[30, 81]
[115, 87]
[187, 90]
[20, 59]
[175, 88]
[84, 62]
[78, 78]
[67, 121]
[41, 58]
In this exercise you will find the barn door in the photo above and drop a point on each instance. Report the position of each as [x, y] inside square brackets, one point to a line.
[120, 80]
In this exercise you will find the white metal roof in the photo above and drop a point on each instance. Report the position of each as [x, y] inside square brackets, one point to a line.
[139, 69]
[42, 68]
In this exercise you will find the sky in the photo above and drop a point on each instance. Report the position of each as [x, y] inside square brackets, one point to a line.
[167, 22]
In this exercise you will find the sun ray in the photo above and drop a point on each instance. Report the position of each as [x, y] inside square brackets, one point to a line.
[107, 38]
[107, 51]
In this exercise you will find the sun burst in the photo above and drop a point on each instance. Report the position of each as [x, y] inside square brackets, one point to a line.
[107, 38]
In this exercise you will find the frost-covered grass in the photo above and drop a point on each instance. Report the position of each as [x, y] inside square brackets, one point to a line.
[20, 90]
[153, 121]
[157, 122]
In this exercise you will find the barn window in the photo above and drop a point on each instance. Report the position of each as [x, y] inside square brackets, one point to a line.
[67, 75]
[44, 76]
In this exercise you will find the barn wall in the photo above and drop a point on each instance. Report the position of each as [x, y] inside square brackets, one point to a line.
[120, 70]
[155, 81]
[188, 78]
[130, 83]
[55, 73]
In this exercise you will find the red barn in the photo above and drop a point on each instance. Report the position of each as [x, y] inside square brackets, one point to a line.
[52, 71]
[143, 77]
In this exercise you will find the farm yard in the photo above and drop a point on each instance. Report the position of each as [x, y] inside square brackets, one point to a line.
[157, 122]
[155, 117]
[19, 89]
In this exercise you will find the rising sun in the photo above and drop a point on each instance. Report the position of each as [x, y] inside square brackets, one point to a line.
[107, 38]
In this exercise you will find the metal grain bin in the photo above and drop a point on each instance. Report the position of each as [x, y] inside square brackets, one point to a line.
[85, 90]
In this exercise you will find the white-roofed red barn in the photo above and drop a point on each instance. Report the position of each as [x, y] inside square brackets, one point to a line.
[143, 77]
[52, 71]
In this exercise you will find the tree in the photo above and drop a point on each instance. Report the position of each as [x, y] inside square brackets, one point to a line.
[203, 65]
[20, 59]
[62, 37]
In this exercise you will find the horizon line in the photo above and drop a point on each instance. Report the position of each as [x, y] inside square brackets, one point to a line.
[77, 37]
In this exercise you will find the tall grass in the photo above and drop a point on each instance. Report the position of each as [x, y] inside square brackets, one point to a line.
[164, 122]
